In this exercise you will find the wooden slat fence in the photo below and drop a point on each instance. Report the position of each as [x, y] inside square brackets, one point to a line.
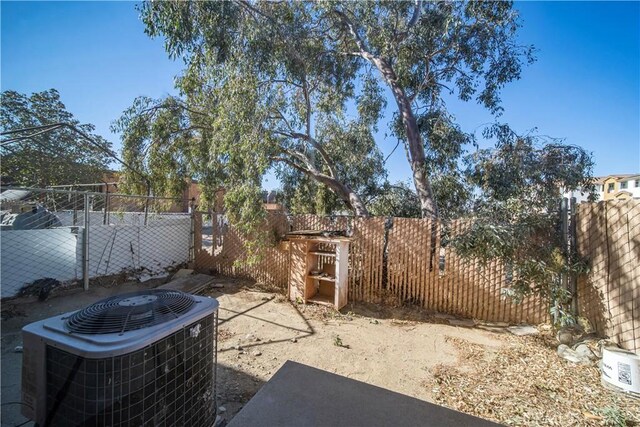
[228, 247]
[419, 270]
[416, 268]
[608, 235]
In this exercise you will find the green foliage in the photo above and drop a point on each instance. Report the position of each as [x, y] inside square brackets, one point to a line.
[515, 216]
[259, 89]
[613, 416]
[423, 52]
[452, 192]
[359, 163]
[58, 157]
[397, 201]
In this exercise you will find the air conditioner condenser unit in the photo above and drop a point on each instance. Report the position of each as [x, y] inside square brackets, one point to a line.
[143, 358]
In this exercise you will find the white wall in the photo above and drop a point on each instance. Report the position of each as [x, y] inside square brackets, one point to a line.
[579, 195]
[28, 255]
[113, 248]
[631, 188]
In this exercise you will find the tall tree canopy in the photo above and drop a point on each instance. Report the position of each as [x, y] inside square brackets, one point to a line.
[261, 88]
[423, 50]
[283, 72]
[56, 157]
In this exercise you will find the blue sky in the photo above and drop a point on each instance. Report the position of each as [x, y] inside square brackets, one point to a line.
[585, 85]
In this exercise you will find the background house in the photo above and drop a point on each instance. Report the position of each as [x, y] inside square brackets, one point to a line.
[611, 187]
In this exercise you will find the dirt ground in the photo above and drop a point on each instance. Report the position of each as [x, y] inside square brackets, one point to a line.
[488, 372]
[492, 374]
[259, 331]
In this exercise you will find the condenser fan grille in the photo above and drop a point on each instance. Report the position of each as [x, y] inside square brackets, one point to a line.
[130, 311]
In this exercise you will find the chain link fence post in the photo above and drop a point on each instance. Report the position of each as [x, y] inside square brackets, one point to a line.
[192, 234]
[85, 243]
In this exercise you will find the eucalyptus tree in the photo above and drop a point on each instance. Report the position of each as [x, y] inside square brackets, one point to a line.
[423, 52]
[516, 213]
[261, 88]
[42, 157]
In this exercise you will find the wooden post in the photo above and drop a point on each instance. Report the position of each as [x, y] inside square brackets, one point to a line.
[573, 252]
[342, 270]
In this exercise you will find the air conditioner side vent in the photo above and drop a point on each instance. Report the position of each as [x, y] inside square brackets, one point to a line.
[169, 382]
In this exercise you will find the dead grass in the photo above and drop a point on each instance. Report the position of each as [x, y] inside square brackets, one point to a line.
[524, 383]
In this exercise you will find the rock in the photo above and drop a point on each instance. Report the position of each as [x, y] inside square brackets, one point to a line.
[565, 352]
[294, 340]
[523, 330]
[238, 347]
[494, 324]
[146, 277]
[250, 337]
[257, 353]
[222, 409]
[219, 422]
[585, 352]
[462, 322]
[568, 335]
[18, 349]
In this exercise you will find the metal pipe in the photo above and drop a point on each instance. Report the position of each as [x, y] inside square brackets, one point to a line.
[75, 208]
[51, 190]
[146, 204]
[85, 244]
[106, 208]
[83, 185]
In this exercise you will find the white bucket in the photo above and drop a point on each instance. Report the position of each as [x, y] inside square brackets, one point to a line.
[621, 369]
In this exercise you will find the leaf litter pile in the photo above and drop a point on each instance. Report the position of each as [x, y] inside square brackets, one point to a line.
[525, 383]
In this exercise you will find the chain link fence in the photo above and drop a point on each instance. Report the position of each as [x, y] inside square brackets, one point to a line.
[53, 237]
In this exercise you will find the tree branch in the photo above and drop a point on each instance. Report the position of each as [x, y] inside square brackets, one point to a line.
[307, 101]
[250, 8]
[416, 15]
[290, 163]
[279, 81]
[412, 22]
[356, 37]
[304, 159]
[315, 144]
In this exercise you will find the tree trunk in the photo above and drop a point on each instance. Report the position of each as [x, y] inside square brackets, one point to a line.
[416, 155]
[345, 192]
